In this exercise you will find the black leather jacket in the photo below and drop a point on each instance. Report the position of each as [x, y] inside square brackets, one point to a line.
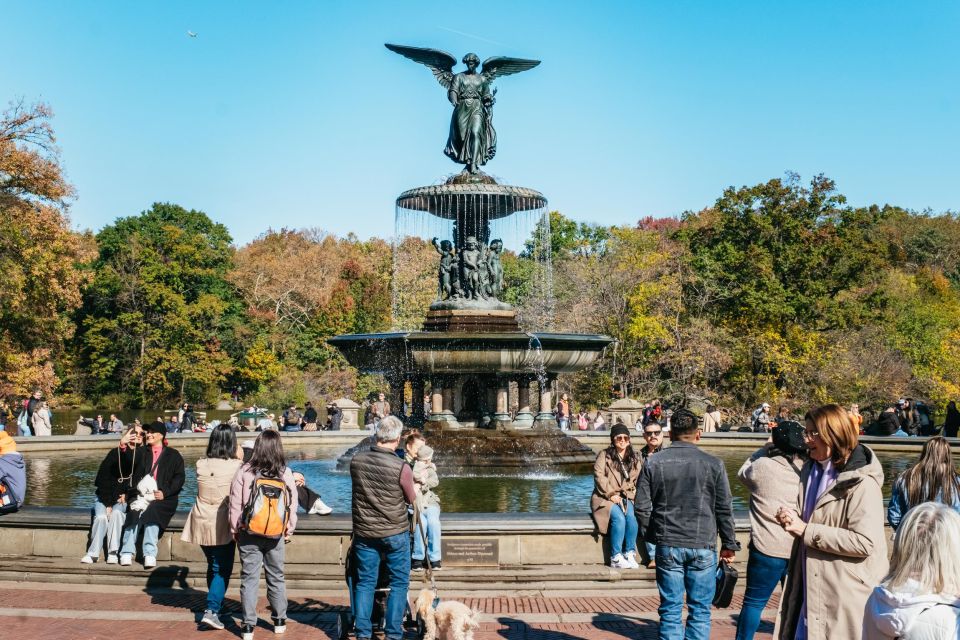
[683, 499]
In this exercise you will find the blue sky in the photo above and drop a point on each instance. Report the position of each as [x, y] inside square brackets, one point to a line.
[293, 114]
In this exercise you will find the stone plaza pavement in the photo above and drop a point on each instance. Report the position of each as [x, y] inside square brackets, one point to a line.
[46, 611]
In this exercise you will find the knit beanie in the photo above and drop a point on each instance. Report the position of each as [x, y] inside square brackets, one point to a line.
[425, 454]
[618, 429]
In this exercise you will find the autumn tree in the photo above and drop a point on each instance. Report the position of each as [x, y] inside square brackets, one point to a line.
[41, 259]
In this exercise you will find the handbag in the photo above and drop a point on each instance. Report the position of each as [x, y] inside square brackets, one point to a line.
[726, 581]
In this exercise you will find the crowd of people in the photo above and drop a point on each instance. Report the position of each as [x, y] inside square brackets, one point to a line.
[816, 515]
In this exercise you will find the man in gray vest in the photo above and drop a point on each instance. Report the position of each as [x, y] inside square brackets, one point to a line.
[382, 488]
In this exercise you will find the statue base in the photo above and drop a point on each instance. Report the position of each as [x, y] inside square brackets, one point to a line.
[471, 320]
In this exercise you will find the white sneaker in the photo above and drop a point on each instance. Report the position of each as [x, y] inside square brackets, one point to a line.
[87, 559]
[149, 562]
[631, 559]
[126, 559]
[112, 558]
[618, 562]
[319, 508]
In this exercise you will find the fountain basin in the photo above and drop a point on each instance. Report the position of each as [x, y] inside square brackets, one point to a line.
[424, 352]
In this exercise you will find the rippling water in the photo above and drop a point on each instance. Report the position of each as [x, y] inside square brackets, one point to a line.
[67, 480]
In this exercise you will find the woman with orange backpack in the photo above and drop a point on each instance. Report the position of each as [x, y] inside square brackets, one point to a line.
[263, 516]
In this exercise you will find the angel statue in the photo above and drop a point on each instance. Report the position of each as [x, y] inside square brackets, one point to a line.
[472, 140]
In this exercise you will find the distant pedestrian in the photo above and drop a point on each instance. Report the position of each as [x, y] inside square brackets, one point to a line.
[309, 417]
[783, 415]
[761, 422]
[187, 418]
[208, 523]
[583, 422]
[563, 412]
[334, 417]
[379, 409]
[683, 503]
[857, 416]
[933, 478]
[292, 419]
[919, 599]
[263, 516]
[33, 403]
[41, 420]
[772, 475]
[952, 423]
[615, 474]
[712, 420]
[114, 424]
[837, 520]
[599, 424]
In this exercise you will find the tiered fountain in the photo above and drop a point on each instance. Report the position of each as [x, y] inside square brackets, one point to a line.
[471, 351]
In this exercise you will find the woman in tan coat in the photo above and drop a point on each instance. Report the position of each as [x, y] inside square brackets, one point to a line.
[615, 476]
[840, 551]
[209, 523]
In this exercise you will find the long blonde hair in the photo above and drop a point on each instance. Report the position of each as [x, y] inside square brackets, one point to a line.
[927, 549]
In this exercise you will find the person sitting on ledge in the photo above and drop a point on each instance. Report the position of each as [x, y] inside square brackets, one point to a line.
[13, 475]
[615, 474]
[308, 499]
[114, 477]
[165, 465]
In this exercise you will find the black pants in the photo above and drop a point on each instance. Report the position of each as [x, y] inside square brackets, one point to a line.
[306, 497]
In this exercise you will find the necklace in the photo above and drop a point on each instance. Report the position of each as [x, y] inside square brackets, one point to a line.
[133, 461]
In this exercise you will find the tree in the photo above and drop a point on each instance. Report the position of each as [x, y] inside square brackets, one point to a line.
[159, 308]
[41, 259]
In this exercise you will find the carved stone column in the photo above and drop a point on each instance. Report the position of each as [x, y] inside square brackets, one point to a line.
[417, 414]
[524, 417]
[545, 417]
[501, 417]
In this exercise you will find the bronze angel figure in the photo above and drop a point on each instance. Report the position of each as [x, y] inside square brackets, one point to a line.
[472, 140]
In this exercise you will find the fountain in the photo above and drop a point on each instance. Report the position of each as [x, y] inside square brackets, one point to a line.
[470, 351]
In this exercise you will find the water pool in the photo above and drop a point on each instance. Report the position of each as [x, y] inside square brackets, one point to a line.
[66, 480]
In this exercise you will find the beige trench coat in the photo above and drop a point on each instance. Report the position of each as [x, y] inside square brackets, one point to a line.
[846, 553]
[208, 522]
[608, 482]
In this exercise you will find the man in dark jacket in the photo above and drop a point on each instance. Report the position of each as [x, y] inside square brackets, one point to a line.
[166, 466]
[32, 405]
[683, 501]
[382, 488]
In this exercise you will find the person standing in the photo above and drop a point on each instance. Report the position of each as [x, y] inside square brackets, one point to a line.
[840, 551]
[41, 420]
[267, 463]
[933, 478]
[599, 424]
[382, 489]
[334, 417]
[683, 503]
[208, 523]
[772, 475]
[309, 417]
[951, 424]
[165, 464]
[33, 403]
[857, 416]
[379, 409]
[653, 442]
[615, 474]
[563, 412]
[712, 420]
[920, 597]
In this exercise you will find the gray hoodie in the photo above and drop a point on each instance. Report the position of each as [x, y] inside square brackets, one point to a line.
[13, 473]
[906, 615]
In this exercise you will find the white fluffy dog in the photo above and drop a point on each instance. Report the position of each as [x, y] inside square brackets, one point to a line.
[451, 620]
[146, 487]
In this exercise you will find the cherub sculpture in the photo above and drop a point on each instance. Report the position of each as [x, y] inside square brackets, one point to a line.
[446, 274]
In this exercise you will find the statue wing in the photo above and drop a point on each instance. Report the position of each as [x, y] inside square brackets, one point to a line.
[500, 66]
[439, 62]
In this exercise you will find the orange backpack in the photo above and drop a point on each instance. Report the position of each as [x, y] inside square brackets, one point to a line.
[268, 509]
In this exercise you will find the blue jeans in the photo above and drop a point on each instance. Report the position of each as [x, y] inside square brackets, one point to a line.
[110, 527]
[219, 567]
[763, 574]
[623, 529]
[367, 554]
[694, 572]
[151, 534]
[292, 427]
[429, 520]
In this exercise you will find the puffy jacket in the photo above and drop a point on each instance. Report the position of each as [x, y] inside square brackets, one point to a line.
[905, 615]
[378, 506]
[13, 473]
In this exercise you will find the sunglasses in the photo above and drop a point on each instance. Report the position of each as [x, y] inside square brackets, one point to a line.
[647, 434]
[620, 438]
[809, 434]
